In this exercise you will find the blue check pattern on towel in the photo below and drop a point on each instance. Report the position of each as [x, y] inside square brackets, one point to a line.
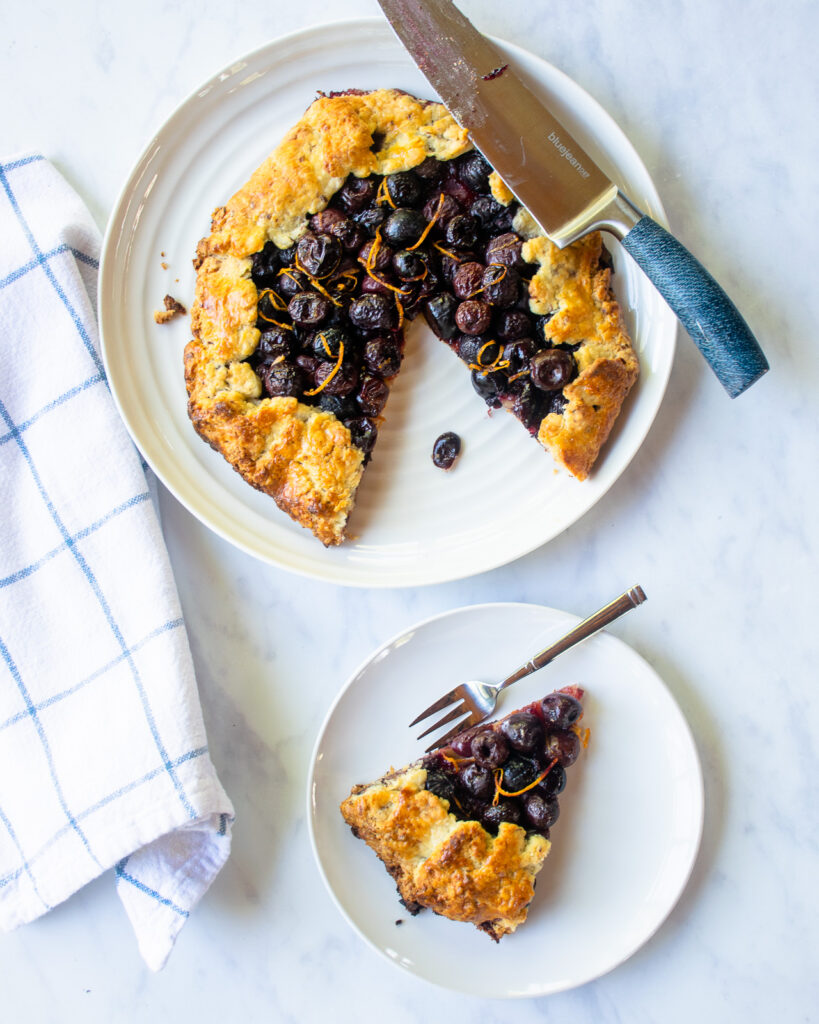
[103, 756]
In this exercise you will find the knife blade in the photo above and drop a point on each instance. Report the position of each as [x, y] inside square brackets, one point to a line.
[562, 187]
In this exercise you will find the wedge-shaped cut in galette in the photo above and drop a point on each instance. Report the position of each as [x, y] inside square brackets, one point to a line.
[465, 830]
[373, 209]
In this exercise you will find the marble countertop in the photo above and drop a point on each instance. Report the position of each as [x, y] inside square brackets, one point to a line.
[715, 517]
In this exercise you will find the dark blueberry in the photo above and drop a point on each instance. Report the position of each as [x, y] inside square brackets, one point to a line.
[449, 208]
[505, 219]
[403, 227]
[486, 209]
[462, 232]
[540, 812]
[489, 386]
[283, 379]
[441, 783]
[404, 188]
[342, 408]
[488, 351]
[557, 402]
[382, 259]
[326, 344]
[518, 773]
[275, 342]
[446, 450]
[308, 308]
[541, 323]
[503, 810]
[489, 748]
[350, 235]
[561, 710]
[265, 266]
[467, 280]
[554, 783]
[473, 170]
[462, 743]
[267, 311]
[430, 170]
[344, 379]
[286, 256]
[372, 396]
[308, 366]
[463, 193]
[371, 219]
[518, 353]
[382, 355]
[408, 266]
[363, 433]
[528, 406]
[468, 348]
[473, 316]
[356, 193]
[373, 312]
[291, 283]
[565, 746]
[552, 369]
[321, 223]
[478, 782]
[524, 732]
[511, 324]
[440, 314]
[318, 255]
[501, 285]
[505, 249]
[374, 286]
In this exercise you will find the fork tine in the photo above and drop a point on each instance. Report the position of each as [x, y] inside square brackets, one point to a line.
[439, 705]
[457, 712]
[443, 740]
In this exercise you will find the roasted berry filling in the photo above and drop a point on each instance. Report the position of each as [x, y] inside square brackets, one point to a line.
[511, 770]
[332, 308]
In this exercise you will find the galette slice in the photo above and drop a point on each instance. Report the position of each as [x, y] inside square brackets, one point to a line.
[465, 830]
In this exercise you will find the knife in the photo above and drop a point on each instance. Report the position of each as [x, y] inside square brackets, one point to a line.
[559, 183]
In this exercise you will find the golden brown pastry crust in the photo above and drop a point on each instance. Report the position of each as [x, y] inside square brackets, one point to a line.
[299, 455]
[455, 868]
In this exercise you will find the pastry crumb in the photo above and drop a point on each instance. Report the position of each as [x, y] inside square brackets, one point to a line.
[172, 309]
[164, 265]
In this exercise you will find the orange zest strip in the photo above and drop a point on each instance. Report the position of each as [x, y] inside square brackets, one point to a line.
[498, 774]
[370, 264]
[517, 792]
[276, 300]
[383, 194]
[430, 225]
[278, 323]
[333, 372]
[400, 311]
[447, 252]
[517, 376]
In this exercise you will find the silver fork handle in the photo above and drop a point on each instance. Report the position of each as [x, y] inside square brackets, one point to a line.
[619, 606]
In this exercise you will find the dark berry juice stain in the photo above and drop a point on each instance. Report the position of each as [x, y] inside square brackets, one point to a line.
[433, 240]
[495, 74]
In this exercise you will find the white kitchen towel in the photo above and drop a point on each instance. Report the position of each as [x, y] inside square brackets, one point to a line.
[103, 756]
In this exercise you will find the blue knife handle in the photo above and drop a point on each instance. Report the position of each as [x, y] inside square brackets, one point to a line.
[703, 308]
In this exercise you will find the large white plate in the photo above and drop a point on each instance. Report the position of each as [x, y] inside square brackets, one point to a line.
[631, 814]
[413, 523]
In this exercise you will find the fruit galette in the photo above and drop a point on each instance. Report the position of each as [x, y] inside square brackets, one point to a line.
[465, 830]
[373, 209]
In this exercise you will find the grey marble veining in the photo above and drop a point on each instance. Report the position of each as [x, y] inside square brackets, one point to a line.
[715, 517]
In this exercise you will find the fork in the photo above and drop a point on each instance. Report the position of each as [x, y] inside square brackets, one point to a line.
[477, 700]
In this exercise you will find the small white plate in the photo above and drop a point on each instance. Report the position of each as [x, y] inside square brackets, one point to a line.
[413, 524]
[631, 813]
